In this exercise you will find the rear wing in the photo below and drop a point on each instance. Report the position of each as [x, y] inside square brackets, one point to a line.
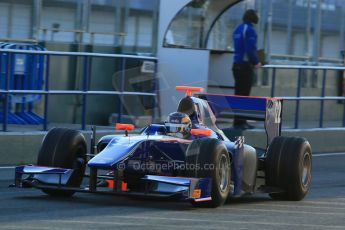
[264, 109]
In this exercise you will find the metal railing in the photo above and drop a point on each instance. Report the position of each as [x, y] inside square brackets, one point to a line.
[82, 33]
[304, 58]
[298, 98]
[85, 92]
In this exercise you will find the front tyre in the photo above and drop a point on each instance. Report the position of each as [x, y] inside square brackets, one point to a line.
[64, 148]
[209, 158]
[288, 167]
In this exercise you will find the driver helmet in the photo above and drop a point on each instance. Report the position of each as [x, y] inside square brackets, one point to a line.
[179, 125]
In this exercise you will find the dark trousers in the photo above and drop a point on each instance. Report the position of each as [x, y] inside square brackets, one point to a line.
[243, 75]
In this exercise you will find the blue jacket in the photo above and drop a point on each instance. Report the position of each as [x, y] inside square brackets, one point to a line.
[245, 39]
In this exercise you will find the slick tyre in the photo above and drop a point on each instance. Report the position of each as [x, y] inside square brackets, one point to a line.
[209, 158]
[64, 148]
[288, 167]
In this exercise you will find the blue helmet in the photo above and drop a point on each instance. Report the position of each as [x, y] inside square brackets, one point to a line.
[179, 125]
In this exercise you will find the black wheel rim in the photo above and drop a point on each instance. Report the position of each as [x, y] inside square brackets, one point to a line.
[223, 171]
[306, 170]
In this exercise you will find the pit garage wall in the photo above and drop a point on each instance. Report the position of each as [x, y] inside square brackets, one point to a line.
[220, 78]
[177, 66]
[194, 67]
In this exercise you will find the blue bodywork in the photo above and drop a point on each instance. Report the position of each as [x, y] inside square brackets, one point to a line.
[153, 147]
[150, 161]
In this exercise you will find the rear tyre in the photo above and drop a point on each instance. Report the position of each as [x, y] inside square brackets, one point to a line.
[288, 167]
[64, 148]
[209, 158]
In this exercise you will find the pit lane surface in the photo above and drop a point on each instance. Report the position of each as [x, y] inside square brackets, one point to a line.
[323, 208]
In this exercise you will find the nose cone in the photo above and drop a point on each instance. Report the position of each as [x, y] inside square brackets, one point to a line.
[117, 150]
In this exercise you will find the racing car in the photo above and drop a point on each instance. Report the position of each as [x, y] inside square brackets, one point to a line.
[186, 157]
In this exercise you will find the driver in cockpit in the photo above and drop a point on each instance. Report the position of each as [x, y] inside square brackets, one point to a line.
[179, 125]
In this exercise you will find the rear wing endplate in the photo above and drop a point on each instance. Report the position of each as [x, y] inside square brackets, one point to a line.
[264, 109]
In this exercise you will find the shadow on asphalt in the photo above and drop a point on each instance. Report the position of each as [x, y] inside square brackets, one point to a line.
[116, 201]
[110, 201]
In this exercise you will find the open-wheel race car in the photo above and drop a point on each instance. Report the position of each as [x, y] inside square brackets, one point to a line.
[186, 157]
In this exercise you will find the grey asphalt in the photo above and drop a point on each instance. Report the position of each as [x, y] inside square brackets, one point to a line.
[323, 208]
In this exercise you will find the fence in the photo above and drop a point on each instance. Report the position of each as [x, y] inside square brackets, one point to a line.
[85, 92]
[298, 98]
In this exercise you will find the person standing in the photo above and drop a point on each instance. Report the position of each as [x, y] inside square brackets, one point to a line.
[245, 59]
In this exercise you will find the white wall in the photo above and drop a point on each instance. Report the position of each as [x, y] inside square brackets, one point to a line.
[22, 24]
[21, 21]
[298, 44]
[4, 19]
[220, 70]
[278, 42]
[63, 16]
[177, 66]
[180, 67]
[329, 48]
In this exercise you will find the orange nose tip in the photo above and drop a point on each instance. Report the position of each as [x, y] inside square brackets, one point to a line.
[189, 89]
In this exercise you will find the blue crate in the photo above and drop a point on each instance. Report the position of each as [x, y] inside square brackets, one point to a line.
[26, 73]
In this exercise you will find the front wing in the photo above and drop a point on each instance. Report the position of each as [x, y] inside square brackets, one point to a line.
[197, 189]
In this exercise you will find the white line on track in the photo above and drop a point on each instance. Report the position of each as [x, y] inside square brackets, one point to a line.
[20, 227]
[7, 167]
[335, 203]
[162, 226]
[328, 154]
[129, 224]
[285, 211]
[171, 219]
[301, 205]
